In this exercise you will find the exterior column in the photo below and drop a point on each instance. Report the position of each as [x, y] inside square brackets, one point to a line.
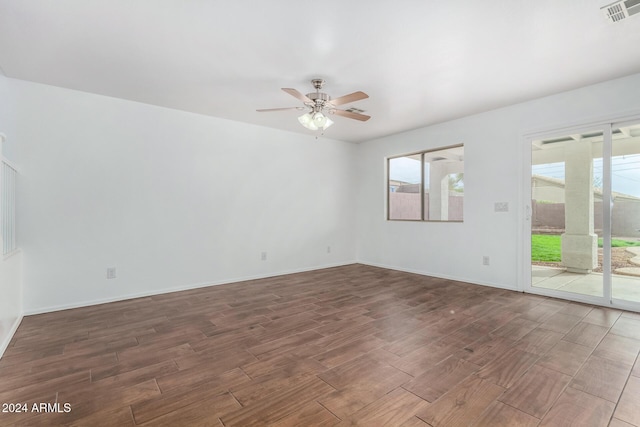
[438, 191]
[579, 242]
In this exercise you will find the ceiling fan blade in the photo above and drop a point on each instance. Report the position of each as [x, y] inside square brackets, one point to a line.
[264, 110]
[355, 96]
[298, 94]
[350, 115]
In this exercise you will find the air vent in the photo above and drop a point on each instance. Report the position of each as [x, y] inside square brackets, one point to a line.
[554, 141]
[357, 110]
[621, 9]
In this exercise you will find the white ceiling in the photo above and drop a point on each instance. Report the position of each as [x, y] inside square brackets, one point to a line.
[420, 61]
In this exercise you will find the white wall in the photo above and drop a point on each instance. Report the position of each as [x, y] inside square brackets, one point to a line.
[171, 199]
[493, 143]
[175, 200]
[10, 267]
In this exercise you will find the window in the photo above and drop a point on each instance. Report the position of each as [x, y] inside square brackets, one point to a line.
[405, 177]
[426, 186]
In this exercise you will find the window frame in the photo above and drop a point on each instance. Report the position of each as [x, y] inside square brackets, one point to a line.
[421, 153]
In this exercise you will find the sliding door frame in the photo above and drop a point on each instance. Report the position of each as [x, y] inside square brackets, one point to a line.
[618, 303]
[606, 125]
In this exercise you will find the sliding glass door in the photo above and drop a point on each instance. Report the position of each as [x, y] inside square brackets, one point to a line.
[625, 213]
[566, 213]
[583, 215]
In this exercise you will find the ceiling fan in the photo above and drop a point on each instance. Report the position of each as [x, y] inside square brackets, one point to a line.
[320, 105]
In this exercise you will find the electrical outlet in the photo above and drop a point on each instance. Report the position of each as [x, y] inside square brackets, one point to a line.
[485, 260]
[111, 272]
[263, 256]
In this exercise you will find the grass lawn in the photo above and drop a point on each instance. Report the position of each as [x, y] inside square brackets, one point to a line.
[547, 248]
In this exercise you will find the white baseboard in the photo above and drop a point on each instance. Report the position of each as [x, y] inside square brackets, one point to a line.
[41, 310]
[441, 276]
[5, 344]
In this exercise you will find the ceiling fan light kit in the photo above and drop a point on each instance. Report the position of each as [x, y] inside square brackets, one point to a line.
[306, 120]
[320, 105]
[322, 121]
[315, 121]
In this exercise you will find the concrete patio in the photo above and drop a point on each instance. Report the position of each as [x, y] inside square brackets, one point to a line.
[624, 287]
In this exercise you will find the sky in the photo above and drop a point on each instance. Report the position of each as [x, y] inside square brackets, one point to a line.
[405, 169]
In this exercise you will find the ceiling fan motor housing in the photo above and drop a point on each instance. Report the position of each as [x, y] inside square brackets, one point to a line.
[320, 99]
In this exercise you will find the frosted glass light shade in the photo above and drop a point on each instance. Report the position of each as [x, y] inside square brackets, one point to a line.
[319, 119]
[306, 120]
[328, 123]
[315, 121]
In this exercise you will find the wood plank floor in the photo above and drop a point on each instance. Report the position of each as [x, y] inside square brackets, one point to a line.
[353, 345]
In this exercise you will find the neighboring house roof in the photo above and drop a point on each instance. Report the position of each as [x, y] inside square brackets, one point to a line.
[559, 183]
